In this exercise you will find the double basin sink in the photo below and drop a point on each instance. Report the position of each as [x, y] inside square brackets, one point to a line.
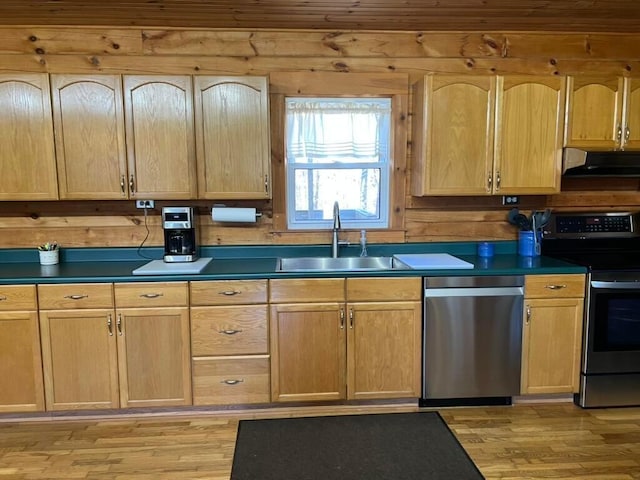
[339, 264]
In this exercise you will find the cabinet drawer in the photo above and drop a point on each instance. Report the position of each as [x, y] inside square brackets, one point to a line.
[234, 330]
[151, 294]
[298, 290]
[225, 381]
[554, 286]
[78, 295]
[18, 297]
[383, 289]
[228, 292]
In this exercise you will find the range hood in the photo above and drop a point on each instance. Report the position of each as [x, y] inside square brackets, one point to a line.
[588, 163]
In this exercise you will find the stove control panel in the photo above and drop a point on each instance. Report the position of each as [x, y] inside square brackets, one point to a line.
[580, 225]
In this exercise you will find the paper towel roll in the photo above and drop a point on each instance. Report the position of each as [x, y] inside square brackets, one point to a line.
[230, 214]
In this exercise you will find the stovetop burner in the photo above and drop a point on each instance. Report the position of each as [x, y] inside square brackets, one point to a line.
[600, 241]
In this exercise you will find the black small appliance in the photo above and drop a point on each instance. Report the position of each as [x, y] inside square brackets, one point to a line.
[180, 235]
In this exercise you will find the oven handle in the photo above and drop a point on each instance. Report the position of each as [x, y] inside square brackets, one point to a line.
[616, 285]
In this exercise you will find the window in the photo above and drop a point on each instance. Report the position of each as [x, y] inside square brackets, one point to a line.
[338, 149]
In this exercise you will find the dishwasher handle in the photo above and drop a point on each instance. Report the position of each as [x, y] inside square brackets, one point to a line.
[473, 292]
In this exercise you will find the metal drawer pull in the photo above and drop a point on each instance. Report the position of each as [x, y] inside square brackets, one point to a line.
[341, 318]
[351, 318]
[3, 298]
[232, 381]
[76, 297]
[229, 332]
[119, 324]
[230, 293]
[110, 325]
[151, 295]
[528, 314]
[555, 287]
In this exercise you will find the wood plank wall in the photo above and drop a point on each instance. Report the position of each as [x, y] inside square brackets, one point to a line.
[264, 52]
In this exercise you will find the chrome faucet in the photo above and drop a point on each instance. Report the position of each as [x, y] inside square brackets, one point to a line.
[336, 227]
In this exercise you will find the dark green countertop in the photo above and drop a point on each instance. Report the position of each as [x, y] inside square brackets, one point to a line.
[79, 265]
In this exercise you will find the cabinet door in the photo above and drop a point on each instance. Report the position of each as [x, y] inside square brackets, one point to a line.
[308, 352]
[383, 353]
[160, 137]
[594, 112]
[453, 132]
[232, 132]
[21, 388]
[80, 359]
[89, 133]
[528, 137]
[27, 153]
[551, 345]
[631, 131]
[154, 357]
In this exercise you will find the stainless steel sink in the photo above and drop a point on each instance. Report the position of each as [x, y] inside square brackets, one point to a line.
[339, 264]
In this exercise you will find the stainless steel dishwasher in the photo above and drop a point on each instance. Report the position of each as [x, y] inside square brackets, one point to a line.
[472, 339]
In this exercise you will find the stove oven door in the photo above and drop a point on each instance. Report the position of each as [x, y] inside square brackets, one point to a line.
[611, 350]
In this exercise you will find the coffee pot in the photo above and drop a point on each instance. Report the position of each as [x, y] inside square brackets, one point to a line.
[180, 236]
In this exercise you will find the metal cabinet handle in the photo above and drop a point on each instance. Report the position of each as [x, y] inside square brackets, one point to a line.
[619, 133]
[528, 314]
[232, 381]
[151, 295]
[627, 134]
[132, 185]
[119, 324]
[2, 297]
[555, 287]
[351, 318]
[122, 184]
[110, 325]
[230, 293]
[229, 332]
[342, 319]
[489, 182]
[497, 181]
[76, 297]
[266, 184]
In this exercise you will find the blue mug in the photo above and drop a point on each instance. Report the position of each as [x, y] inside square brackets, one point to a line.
[527, 244]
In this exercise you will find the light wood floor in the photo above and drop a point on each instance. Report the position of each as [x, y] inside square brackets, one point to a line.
[517, 442]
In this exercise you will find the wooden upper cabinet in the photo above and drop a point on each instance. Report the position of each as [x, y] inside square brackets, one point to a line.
[595, 112]
[232, 137]
[632, 114]
[89, 135]
[528, 136]
[160, 136]
[453, 135]
[27, 154]
[480, 135]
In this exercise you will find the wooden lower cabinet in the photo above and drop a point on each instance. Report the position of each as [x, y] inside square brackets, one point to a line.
[383, 346]
[104, 357]
[230, 342]
[21, 383]
[80, 359]
[552, 334]
[361, 349]
[153, 357]
[308, 352]
[231, 380]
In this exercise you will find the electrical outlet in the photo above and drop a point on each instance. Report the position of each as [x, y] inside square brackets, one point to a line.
[510, 200]
[145, 203]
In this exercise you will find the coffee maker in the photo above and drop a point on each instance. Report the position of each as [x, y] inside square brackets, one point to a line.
[180, 242]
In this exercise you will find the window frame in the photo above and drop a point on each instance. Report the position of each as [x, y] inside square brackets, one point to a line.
[382, 221]
[331, 84]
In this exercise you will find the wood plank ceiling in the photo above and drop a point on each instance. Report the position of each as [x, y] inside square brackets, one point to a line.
[405, 15]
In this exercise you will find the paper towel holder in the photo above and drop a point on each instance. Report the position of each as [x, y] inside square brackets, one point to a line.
[242, 212]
